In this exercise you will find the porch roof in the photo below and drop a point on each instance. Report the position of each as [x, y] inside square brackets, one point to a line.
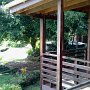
[28, 7]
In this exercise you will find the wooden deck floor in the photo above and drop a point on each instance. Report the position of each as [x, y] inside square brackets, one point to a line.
[44, 87]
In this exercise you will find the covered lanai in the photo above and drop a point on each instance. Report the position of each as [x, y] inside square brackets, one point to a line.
[56, 72]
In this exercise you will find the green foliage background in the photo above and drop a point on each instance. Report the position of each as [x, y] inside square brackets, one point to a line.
[26, 28]
[5, 1]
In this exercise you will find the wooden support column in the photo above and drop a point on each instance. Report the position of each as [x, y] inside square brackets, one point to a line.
[88, 49]
[42, 44]
[60, 37]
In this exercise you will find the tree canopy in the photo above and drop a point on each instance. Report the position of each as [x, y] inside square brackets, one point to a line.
[76, 22]
[26, 28]
[19, 28]
[5, 1]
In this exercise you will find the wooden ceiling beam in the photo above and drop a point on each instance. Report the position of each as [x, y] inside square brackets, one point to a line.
[74, 4]
[85, 9]
[19, 8]
[68, 6]
[53, 17]
[49, 4]
[37, 6]
[49, 10]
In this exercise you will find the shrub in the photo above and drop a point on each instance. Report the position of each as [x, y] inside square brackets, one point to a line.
[31, 78]
[30, 52]
[33, 58]
[0, 58]
[16, 44]
[10, 87]
[34, 55]
[35, 52]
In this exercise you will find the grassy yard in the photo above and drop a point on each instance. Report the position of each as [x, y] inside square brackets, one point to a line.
[17, 73]
[10, 82]
[12, 79]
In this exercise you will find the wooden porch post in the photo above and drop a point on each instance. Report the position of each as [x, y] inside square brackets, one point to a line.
[88, 49]
[42, 44]
[60, 36]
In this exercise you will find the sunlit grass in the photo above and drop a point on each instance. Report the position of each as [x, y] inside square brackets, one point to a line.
[6, 82]
[9, 81]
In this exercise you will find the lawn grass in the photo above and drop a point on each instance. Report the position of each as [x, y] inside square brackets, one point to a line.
[9, 80]
[5, 79]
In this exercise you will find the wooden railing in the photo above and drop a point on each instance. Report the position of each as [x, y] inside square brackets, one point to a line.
[49, 66]
[49, 72]
[80, 53]
[74, 71]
